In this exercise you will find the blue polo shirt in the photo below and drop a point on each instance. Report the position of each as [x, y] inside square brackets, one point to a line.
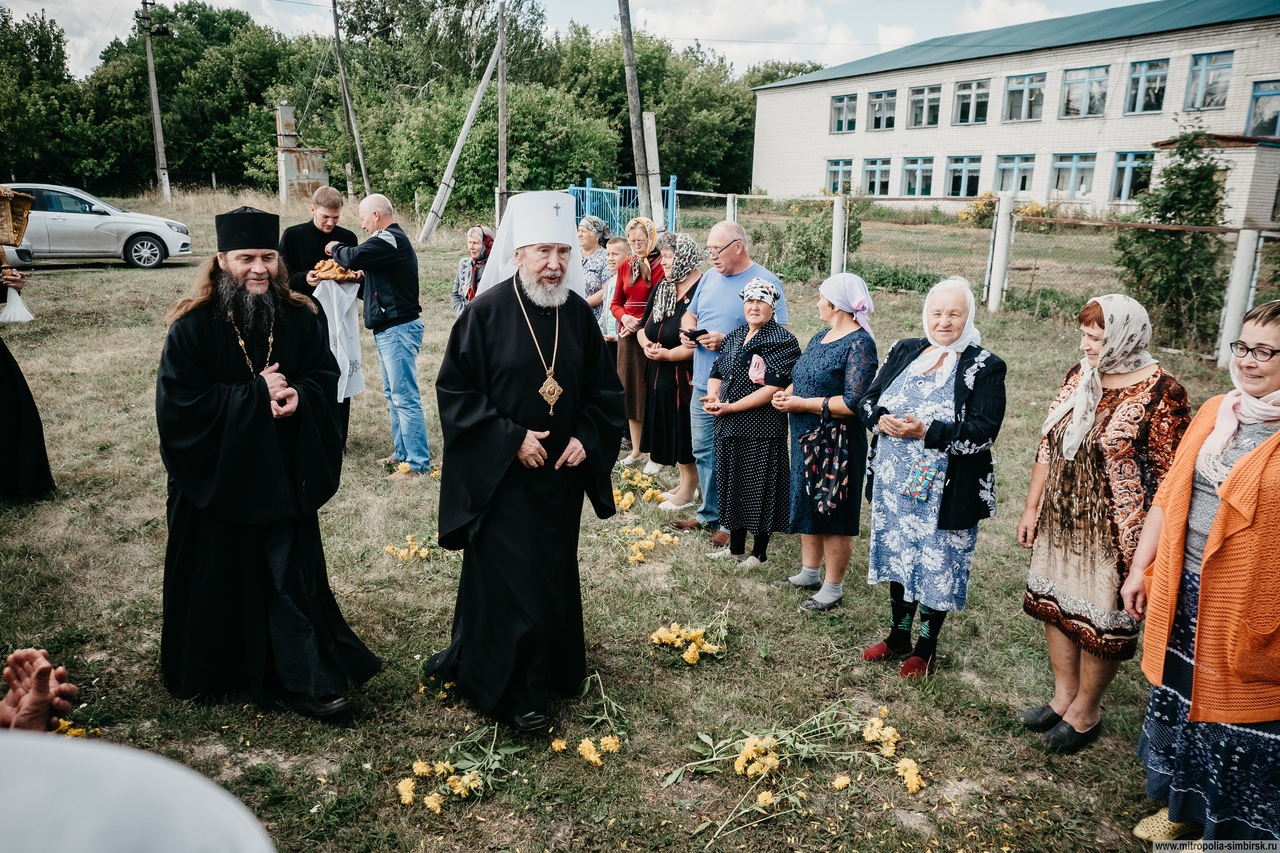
[718, 307]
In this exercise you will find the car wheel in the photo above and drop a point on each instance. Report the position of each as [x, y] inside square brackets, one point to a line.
[143, 251]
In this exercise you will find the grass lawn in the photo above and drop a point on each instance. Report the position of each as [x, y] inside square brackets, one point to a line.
[81, 575]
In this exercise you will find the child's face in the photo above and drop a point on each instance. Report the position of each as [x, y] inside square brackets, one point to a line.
[614, 257]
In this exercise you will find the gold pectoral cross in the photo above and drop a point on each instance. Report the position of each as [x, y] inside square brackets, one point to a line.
[551, 391]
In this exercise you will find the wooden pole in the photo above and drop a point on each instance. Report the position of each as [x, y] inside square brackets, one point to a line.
[501, 200]
[446, 183]
[347, 105]
[157, 131]
[633, 105]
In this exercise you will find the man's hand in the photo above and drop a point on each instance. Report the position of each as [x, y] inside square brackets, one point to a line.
[328, 247]
[13, 278]
[531, 453]
[574, 455]
[276, 383]
[712, 341]
[286, 405]
[313, 280]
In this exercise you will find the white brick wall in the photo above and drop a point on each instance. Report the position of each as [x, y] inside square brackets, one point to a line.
[794, 144]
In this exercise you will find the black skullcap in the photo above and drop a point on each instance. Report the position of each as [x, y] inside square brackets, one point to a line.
[247, 228]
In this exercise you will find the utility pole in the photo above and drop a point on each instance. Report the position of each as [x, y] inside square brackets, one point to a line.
[347, 106]
[162, 165]
[501, 202]
[633, 104]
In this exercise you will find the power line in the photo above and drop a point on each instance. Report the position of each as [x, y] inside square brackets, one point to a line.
[110, 18]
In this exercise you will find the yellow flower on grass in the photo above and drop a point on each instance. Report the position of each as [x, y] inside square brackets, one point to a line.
[609, 743]
[884, 712]
[472, 781]
[405, 788]
[456, 785]
[710, 648]
[910, 774]
[559, 745]
[587, 749]
[646, 545]
[690, 655]
[390, 549]
[421, 768]
[628, 501]
[765, 799]
[636, 558]
[841, 782]
[433, 802]
[442, 695]
[404, 468]
[442, 768]
[873, 730]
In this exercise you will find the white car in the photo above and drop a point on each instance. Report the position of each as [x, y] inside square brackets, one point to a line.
[70, 223]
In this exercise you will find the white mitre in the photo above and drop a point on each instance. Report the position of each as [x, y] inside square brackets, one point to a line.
[532, 219]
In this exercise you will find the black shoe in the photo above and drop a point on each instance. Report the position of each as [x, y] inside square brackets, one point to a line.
[811, 605]
[1040, 719]
[785, 583]
[529, 721]
[320, 708]
[1064, 739]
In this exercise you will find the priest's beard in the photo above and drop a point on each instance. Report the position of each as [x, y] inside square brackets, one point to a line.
[253, 313]
[546, 291]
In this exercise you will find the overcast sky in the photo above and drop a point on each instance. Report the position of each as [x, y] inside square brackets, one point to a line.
[745, 31]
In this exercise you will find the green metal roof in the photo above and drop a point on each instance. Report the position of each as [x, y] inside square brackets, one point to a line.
[1104, 25]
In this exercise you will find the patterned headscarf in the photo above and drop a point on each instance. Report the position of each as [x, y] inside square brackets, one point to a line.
[1128, 331]
[598, 227]
[1237, 407]
[685, 261]
[969, 336]
[640, 261]
[478, 265]
[761, 290]
[848, 293]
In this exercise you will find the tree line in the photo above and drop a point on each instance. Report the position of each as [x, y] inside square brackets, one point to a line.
[412, 66]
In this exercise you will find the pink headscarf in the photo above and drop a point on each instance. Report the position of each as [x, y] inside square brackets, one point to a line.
[848, 293]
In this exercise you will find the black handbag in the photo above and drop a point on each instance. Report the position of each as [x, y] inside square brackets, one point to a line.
[826, 463]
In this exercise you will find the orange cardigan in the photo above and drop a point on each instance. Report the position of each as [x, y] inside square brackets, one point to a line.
[1237, 647]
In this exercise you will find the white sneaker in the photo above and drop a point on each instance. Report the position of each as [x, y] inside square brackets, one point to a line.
[752, 563]
[633, 459]
[725, 554]
[668, 506]
[652, 468]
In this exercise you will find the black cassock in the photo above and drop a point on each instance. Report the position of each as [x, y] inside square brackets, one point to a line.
[247, 603]
[24, 473]
[517, 627]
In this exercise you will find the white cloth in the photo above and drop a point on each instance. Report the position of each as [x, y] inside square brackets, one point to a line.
[531, 219]
[338, 299]
[1127, 332]
[1236, 408]
[950, 352]
[15, 310]
[848, 293]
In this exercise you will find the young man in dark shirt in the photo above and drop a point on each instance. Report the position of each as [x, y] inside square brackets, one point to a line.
[302, 246]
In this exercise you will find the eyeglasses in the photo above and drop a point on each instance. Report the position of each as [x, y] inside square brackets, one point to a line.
[714, 251]
[1239, 350]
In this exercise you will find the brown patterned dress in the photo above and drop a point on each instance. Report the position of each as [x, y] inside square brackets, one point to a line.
[1093, 508]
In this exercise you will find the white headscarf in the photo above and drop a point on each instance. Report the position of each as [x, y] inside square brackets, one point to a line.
[1238, 407]
[1128, 331]
[848, 293]
[950, 352]
[533, 218]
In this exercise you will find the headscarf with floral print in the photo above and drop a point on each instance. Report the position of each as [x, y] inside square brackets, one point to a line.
[683, 263]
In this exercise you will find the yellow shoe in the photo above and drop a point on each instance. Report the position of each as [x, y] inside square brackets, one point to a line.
[1158, 827]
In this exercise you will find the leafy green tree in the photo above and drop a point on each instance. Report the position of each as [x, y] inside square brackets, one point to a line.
[1179, 275]
[38, 93]
[773, 70]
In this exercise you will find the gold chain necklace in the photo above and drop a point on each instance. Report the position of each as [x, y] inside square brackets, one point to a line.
[551, 389]
[271, 339]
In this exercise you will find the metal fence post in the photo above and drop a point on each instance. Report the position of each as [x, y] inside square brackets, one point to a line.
[1001, 238]
[589, 194]
[838, 254]
[731, 207]
[671, 205]
[1237, 303]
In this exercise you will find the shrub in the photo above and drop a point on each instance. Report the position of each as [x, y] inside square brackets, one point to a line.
[880, 276]
[800, 248]
[1046, 302]
[980, 212]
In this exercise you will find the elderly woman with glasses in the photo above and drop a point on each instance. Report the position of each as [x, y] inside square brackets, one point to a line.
[1108, 441]
[471, 268]
[1206, 577]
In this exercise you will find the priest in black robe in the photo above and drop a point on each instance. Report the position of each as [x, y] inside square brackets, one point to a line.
[247, 414]
[532, 415]
[24, 469]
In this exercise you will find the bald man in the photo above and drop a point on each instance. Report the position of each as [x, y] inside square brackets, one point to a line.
[391, 312]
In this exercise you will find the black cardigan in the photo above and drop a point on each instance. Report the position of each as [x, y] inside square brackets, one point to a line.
[969, 492]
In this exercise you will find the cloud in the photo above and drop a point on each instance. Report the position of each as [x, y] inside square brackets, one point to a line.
[894, 36]
[990, 14]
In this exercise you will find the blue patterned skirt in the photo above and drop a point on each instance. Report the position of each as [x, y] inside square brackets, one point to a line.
[1225, 776]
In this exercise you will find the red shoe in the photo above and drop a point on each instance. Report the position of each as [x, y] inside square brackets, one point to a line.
[917, 667]
[881, 651]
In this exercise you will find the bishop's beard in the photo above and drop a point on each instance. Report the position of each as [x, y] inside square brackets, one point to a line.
[543, 293]
[252, 313]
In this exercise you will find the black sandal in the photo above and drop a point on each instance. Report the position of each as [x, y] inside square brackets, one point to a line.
[1040, 719]
[1064, 739]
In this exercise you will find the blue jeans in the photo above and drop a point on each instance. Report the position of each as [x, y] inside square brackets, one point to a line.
[704, 456]
[398, 356]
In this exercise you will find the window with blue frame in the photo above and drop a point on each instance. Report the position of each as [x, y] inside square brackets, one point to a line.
[971, 100]
[881, 109]
[1146, 86]
[1013, 172]
[844, 113]
[925, 105]
[875, 176]
[1024, 97]
[1264, 109]
[917, 176]
[1210, 76]
[962, 175]
[1133, 174]
[1084, 91]
[840, 176]
[1073, 175]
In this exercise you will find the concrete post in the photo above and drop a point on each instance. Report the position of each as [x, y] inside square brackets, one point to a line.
[838, 254]
[1002, 239]
[731, 207]
[1237, 303]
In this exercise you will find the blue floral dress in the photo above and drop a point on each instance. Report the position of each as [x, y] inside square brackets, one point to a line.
[906, 545]
[843, 368]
